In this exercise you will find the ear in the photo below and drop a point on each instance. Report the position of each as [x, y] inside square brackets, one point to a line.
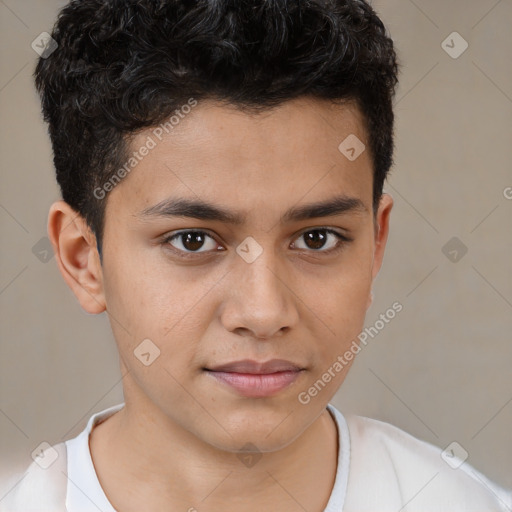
[381, 236]
[74, 245]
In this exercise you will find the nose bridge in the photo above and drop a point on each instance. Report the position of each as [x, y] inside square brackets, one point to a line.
[262, 279]
[263, 302]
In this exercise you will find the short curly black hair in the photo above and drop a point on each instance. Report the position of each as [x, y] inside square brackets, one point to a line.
[124, 65]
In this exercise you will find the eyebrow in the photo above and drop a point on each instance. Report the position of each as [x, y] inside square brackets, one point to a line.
[199, 209]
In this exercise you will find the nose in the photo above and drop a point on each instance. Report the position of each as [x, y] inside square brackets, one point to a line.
[261, 302]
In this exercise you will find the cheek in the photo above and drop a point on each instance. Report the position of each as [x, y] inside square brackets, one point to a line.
[140, 303]
[138, 290]
[147, 299]
[342, 312]
[343, 315]
[341, 301]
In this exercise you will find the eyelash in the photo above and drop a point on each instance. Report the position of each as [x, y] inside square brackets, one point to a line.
[342, 241]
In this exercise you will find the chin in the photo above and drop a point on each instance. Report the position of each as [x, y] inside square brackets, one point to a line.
[266, 432]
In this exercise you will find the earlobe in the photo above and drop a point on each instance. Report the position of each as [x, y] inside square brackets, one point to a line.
[74, 245]
[370, 300]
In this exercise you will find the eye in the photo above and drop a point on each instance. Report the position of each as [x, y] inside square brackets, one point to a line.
[190, 242]
[322, 240]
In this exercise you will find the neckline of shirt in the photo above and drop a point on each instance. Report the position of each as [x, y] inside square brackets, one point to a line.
[84, 489]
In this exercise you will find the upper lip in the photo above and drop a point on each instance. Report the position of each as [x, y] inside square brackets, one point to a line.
[255, 367]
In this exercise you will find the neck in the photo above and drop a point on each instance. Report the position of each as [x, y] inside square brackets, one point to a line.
[146, 461]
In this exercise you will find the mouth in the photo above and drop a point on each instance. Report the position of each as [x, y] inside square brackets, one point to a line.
[257, 380]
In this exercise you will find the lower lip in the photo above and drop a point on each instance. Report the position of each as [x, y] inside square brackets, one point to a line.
[257, 386]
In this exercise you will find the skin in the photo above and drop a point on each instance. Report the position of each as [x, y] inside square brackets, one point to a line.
[174, 445]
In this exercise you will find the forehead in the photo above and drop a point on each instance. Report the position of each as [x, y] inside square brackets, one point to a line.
[248, 159]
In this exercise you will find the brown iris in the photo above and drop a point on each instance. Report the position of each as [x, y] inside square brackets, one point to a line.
[315, 239]
[193, 241]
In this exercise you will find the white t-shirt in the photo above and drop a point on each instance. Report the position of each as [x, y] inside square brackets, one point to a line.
[380, 468]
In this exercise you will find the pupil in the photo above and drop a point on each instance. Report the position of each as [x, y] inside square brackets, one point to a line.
[192, 241]
[317, 239]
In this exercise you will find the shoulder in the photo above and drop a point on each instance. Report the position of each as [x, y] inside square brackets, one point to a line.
[42, 487]
[400, 469]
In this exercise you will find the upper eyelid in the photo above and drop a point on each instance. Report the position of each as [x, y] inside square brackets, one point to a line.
[323, 228]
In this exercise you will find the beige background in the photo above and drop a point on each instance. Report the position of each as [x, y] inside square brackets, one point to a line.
[440, 370]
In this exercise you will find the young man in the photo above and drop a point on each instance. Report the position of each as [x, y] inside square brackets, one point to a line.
[222, 164]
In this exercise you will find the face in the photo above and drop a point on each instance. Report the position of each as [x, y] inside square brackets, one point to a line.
[263, 272]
